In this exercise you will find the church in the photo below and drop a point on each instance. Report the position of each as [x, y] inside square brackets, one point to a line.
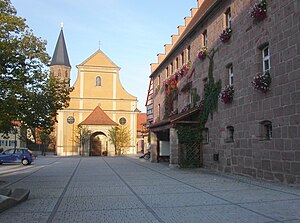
[98, 102]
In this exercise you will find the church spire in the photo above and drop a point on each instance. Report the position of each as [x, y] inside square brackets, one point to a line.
[60, 56]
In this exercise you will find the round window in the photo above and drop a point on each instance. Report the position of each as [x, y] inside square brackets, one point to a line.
[122, 121]
[70, 119]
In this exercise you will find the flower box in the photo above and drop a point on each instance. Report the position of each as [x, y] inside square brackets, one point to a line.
[225, 35]
[227, 94]
[262, 82]
[259, 10]
[202, 53]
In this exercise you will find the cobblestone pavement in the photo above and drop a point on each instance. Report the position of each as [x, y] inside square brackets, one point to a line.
[128, 189]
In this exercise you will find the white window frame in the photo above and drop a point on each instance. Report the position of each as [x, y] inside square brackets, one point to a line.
[230, 75]
[228, 18]
[266, 58]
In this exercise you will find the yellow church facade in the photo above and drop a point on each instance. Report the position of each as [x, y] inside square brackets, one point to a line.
[98, 102]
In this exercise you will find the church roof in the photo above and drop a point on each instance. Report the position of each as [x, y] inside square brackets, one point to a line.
[60, 56]
[98, 117]
[98, 59]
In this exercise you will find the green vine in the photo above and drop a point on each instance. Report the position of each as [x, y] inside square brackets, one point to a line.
[190, 135]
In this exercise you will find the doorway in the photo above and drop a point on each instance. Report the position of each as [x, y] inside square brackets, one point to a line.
[98, 144]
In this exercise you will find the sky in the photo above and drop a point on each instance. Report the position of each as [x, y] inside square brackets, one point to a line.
[131, 32]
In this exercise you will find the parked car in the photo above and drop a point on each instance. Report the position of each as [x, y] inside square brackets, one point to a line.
[16, 155]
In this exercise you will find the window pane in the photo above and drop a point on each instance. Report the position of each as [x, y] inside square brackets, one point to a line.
[266, 65]
[266, 52]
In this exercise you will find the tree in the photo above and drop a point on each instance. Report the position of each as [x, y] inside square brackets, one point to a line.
[83, 135]
[119, 136]
[27, 93]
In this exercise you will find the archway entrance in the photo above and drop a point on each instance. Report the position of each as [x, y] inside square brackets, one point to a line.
[99, 144]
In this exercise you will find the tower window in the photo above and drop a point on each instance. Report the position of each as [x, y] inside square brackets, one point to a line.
[98, 81]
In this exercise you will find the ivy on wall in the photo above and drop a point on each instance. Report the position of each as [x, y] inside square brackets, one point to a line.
[190, 135]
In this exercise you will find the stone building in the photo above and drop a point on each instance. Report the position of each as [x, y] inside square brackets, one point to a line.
[255, 129]
[97, 103]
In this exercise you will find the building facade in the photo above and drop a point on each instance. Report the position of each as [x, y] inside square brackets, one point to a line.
[98, 102]
[252, 47]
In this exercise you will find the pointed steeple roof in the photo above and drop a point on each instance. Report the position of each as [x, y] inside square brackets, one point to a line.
[60, 56]
[98, 117]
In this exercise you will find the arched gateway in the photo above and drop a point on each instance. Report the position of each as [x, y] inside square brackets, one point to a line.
[99, 124]
[99, 144]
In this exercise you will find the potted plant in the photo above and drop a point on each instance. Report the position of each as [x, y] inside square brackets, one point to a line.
[227, 94]
[259, 10]
[262, 82]
[202, 53]
[225, 35]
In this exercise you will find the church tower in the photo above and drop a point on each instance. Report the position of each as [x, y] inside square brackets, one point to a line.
[60, 65]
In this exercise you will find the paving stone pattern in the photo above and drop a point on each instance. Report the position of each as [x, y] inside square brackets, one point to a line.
[128, 189]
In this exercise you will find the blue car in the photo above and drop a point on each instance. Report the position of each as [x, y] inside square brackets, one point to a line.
[16, 155]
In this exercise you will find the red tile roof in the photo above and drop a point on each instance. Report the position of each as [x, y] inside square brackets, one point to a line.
[141, 120]
[98, 117]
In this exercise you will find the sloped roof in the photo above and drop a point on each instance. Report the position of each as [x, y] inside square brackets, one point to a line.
[60, 56]
[98, 117]
[141, 120]
[98, 59]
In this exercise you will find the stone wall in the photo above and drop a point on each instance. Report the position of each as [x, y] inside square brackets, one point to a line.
[277, 159]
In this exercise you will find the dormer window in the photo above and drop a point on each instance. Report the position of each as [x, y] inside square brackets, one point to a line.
[98, 81]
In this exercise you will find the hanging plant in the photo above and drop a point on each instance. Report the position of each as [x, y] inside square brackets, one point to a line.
[170, 84]
[185, 68]
[259, 10]
[225, 35]
[262, 82]
[227, 94]
[202, 53]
